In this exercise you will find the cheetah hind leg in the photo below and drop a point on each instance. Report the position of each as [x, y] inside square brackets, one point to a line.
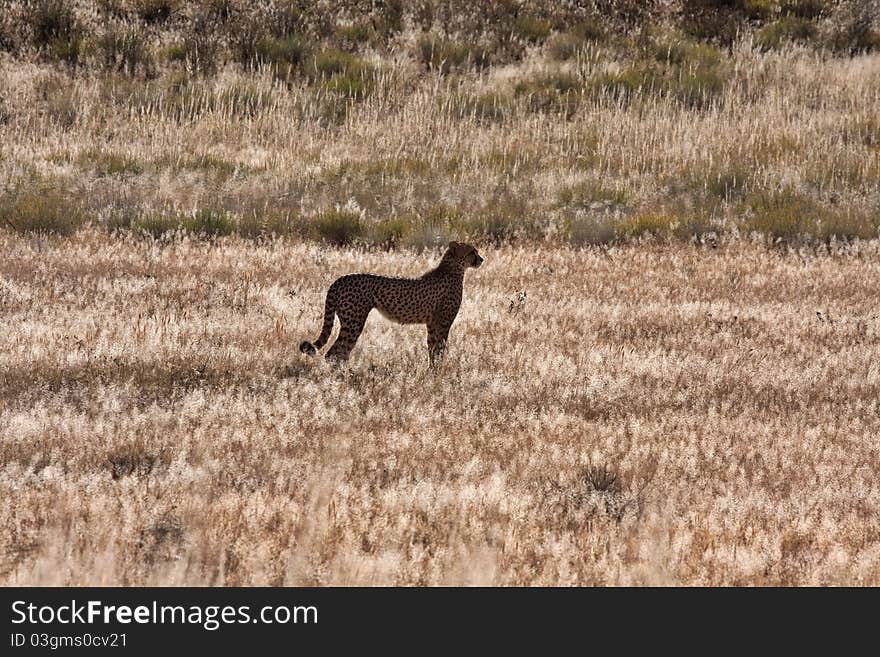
[350, 330]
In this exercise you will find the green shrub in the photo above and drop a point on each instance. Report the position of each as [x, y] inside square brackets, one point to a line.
[38, 206]
[490, 107]
[176, 53]
[52, 22]
[341, 73]
[722, 22]
[109, 164]
[156, 225]
[788, 216]
[62, 104]
[854, 29]
[698, 89]
[444, 56]
[205, 222]
[66, 50]
[725, 184]
[339, 227]
[846, 226]
[390, 233]
[592, 193]
[864, 131]
[355, 34]
[591, 231]
[563, 46]
[200, 48]
[497, 219]
[209, 222]
[531, 28]
[694, 226]
[156, 11]
[283, 55]
[244, 100]
[124, 50]
[620, 86]
[789, 29]
[269, 223]
[658, 224]
[809, 9]
[56, 31]
[693, 75]
[551, 91]
[784, 215]
[683, 53]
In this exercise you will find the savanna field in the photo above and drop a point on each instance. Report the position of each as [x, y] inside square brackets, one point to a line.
[665, 372]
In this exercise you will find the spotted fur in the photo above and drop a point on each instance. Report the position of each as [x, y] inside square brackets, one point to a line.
[433, 300]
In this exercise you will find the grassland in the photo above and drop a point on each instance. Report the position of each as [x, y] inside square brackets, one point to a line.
[665, 372]
[641, 415]
[577, 136]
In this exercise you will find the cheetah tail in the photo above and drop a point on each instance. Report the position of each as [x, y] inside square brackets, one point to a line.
[329, 314]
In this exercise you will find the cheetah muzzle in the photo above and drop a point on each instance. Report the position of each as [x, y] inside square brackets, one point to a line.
[432, 299]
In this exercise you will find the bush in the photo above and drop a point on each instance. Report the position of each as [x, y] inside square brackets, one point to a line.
[727, 183]
[52, 21]
[787, 216]
[355, 34]
[209, 222]
[563, 46]
[683, 53]
[283, 55]
[444, 56]
[156, 225]
[621, 86]
[156, 11]
[244, 100]
[484, 108]
[809, 9]
[784, 215]
[592, 231]
[269, 223]
[692, 74]
[789, 29]
[553, 91]
[341, 73]
[592, 194]
[37, 206]
[531, 28]
[847, 226]
[124, 50]
[200, 48]
[205, 222]
[864, 131]
[658, 224]
[339, 227]
[56, 31]
[722, 22]
[389, 233]
[854, 30]
[62, 103]
[109, 164]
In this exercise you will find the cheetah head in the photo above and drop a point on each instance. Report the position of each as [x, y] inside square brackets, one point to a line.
[465, 254]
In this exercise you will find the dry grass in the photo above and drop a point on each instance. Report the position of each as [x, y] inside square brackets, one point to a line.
[640, 415]
[569, 151]
[675, 403]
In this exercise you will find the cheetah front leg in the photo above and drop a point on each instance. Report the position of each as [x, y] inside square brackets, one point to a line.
[438, 332]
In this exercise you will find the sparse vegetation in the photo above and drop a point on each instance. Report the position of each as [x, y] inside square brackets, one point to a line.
[624, 425]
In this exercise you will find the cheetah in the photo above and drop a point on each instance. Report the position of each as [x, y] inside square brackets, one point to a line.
[433, 300]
